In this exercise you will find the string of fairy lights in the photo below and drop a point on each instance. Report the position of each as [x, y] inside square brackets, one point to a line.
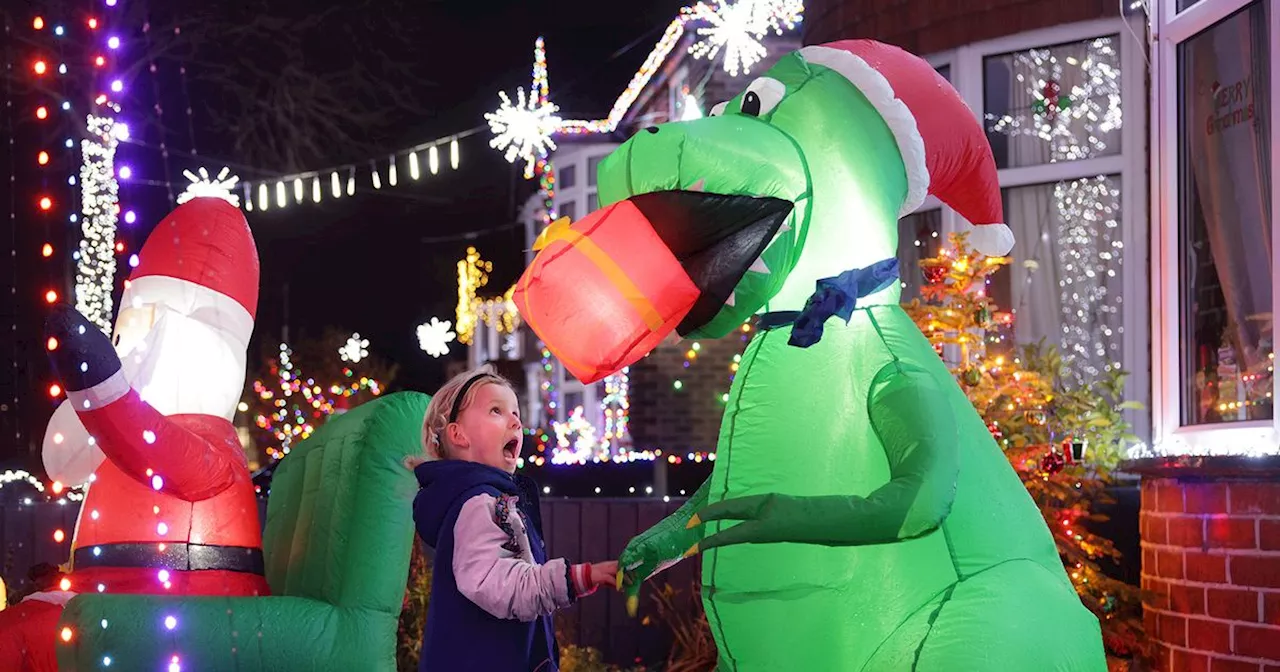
[76, 91]
[299, 404]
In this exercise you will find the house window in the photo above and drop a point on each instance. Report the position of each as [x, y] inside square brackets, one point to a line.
[1050, 104]
[568, 176]
[919, 237]
[1065, 284]
[593, 164]
[570, 210]
[1224, 221]
[945, 71]
[1051, 113]
[1186, 4]
[593, 203]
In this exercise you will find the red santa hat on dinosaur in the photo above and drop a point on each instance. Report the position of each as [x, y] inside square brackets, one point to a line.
[182, 330]
[943, 148]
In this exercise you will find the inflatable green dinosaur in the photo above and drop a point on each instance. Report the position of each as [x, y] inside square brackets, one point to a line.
[859, 516]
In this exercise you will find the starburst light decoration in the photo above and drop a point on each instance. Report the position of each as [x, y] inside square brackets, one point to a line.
[523, 130]
[202, 186]
[434, 337]
[738, 28]
[355, 349]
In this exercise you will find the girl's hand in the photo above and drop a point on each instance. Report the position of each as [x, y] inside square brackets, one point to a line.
[605, 574]
[411, 462]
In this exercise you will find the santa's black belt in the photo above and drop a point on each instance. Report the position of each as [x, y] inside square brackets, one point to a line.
[179, 557]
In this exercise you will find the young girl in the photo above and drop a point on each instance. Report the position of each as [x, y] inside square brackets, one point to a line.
[493, 590]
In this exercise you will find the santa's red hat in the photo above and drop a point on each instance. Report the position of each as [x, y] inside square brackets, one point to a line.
[941, 142]
[200, 260]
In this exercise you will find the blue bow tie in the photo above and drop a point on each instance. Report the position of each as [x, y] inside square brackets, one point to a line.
[836, 296]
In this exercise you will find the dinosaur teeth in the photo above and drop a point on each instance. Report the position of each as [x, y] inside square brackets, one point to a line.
[730, 301]
[781, 230]
[700, 185]
[758, 266]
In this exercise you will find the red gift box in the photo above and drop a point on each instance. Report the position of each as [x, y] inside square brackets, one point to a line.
[604, 291]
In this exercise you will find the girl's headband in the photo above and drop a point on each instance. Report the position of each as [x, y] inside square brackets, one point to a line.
[462, 393]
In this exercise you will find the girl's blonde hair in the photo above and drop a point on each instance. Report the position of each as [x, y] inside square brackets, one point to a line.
[437, 418]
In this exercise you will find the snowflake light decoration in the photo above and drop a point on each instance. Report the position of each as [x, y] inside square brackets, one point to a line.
[780, 15]
[355, 350]
[737, 28]
[434, 337]
[1074, 121]
[523, 130]
[202, 186]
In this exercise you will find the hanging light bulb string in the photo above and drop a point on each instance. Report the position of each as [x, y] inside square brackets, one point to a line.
[13, 226]
[158, 108]
[340, 181]
[186, 98]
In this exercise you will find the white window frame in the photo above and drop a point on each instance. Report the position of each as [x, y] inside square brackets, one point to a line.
[1170, 436]
[966, 70]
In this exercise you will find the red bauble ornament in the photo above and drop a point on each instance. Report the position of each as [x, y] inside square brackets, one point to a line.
[1053, 462]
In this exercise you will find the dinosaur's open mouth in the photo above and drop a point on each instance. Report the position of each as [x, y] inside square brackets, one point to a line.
[605, 291]
[715, 237]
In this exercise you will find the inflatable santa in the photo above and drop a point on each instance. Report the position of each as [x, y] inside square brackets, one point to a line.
[170, 508]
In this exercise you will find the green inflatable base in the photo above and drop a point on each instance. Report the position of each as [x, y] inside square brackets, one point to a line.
[337, 545]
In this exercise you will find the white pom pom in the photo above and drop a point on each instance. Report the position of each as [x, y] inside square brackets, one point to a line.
[993, 240]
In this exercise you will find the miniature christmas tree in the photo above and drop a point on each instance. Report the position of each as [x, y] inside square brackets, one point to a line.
[1061, 438]
[297, 393]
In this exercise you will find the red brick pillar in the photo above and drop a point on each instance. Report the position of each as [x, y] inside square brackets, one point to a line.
[1211, 561]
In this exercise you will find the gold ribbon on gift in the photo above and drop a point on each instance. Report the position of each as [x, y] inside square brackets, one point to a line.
[559, 230]
[555, 231]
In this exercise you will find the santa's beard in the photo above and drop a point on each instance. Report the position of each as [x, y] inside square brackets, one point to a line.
[182, 366]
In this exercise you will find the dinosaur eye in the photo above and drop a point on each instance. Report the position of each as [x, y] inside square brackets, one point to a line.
[718, 109]
[762, 96]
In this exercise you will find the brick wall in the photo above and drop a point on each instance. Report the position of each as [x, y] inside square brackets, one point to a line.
[1211, 573]
[687, 418]
[930, 26]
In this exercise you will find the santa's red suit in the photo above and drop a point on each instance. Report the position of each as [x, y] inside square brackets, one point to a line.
[170, 508]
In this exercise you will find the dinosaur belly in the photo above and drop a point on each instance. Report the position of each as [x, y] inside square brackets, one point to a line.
[797, 423]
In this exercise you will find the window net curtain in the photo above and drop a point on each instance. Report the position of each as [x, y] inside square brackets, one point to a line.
[1225, 92]
[1065, 276]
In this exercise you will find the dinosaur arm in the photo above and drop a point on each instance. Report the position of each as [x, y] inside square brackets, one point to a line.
[917, 431]
[659, 547]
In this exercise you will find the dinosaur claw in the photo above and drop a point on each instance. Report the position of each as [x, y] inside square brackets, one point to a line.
[693, 550]
[633, 606]
[693, 522]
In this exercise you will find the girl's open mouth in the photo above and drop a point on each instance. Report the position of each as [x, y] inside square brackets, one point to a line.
[512, 449]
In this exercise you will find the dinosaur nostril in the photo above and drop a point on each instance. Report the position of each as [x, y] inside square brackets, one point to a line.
[651, 129]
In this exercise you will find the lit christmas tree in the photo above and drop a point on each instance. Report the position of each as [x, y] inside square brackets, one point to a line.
[1062, 438]
[287, 403]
